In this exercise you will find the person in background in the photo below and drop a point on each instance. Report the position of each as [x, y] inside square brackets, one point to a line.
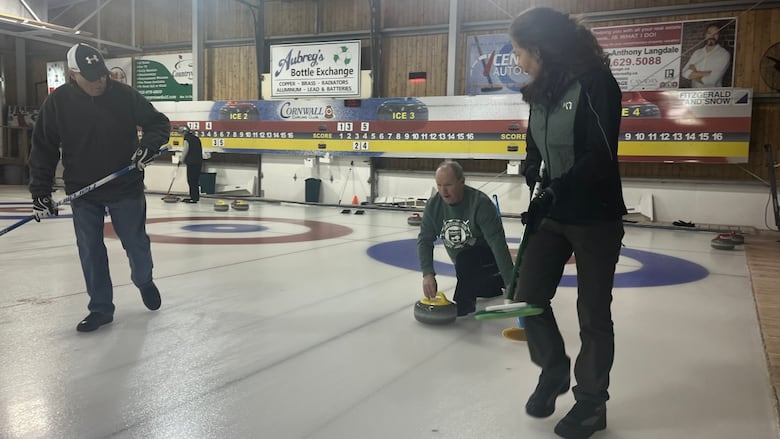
[469, 226]
[707, 65]
[192, 154]
[573, 128]
[93, 121]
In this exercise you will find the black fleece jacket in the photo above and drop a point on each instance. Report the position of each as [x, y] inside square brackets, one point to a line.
[97, 136]
[577, 138]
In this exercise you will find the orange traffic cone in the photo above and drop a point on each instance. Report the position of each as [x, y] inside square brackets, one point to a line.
[355, 201]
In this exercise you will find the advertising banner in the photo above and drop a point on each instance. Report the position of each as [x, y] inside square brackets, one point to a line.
[316, 70]
[56, 75]
[707, 125]
[121, 70]
[684, 54]
[164, 77]
[492, 67]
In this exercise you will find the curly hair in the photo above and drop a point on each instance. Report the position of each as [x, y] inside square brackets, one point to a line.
[565, 47]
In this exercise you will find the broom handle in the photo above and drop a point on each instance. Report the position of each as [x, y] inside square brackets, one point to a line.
[81, 192]
[175, 172]
[509, 295]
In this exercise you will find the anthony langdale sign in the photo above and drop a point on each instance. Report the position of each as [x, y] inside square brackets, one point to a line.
[682, 54]
[316, 70]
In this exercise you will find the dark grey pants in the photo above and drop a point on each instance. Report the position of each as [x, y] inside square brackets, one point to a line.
[193, 180]
[478, 276]
[596, 248]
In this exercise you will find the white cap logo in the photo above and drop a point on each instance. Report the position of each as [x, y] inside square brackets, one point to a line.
[91, 59]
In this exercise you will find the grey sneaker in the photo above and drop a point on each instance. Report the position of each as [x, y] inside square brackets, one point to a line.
[151, 296]
[584, 419]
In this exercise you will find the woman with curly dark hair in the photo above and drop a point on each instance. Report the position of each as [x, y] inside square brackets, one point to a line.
[573, 128]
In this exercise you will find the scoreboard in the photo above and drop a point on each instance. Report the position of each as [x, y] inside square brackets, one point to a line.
[710, 125]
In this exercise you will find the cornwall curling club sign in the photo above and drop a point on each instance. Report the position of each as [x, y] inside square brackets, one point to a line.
[688, 125]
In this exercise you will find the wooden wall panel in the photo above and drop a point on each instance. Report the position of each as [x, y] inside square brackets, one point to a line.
[231, 73]
[290, 18]
[227, 20]
[760, 31]
[407, 13]
[425, 53]
[163, 21]
[113, 29]
[344, 15]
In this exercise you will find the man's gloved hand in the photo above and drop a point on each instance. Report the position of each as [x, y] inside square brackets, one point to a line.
[142, 157]
[538, 209]
[43, 207]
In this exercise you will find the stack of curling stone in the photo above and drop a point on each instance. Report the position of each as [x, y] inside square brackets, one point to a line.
[221, 206]
[727, 241]
[436, 311]
[240, 205]
[414, 220]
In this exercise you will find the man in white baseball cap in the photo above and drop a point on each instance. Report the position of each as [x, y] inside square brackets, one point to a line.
[91, 125]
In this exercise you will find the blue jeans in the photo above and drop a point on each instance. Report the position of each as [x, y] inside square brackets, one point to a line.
[128, 216]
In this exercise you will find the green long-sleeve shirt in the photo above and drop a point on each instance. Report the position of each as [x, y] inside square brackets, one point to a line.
[472, 222]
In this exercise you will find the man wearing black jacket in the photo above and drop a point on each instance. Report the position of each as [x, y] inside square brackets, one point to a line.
[192, 154]
[91, 122]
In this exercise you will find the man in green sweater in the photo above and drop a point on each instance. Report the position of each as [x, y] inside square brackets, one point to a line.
[469, 226]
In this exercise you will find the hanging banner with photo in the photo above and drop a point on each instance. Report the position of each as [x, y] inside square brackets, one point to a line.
[56, 75]
[164, 77]
[683, 54]
[121, 70]
[492, 67]
[316, 70]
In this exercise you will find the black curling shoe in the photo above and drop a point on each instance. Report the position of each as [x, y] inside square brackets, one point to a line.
[584, 419]
[93, 321]
[541, 403]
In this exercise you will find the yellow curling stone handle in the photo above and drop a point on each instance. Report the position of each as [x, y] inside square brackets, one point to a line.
[439, 300]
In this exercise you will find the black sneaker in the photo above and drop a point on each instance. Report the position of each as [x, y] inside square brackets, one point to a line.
[584, 419]
[541, 403]
[151, 296]
[93, 321]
